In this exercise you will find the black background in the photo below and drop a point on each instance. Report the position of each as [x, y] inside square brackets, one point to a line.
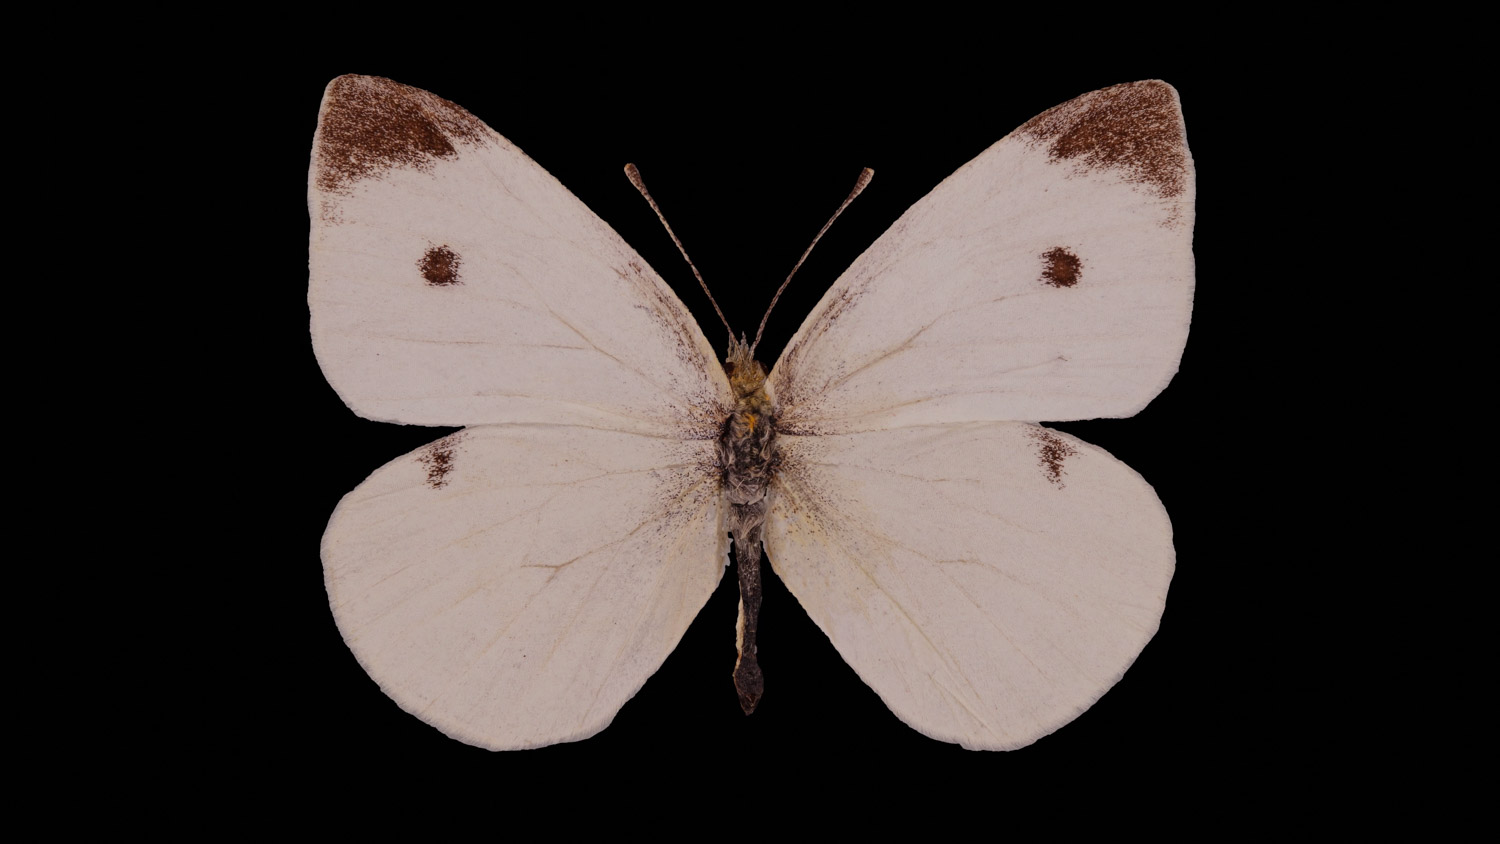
[748, 153]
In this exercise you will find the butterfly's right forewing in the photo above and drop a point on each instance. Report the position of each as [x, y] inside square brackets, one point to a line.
[1049, 279]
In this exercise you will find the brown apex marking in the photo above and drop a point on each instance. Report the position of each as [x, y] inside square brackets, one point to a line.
[370, 125]
[1136, 128]
[438, 458]
[1052, 450]
[1063, 269]
[440, 266]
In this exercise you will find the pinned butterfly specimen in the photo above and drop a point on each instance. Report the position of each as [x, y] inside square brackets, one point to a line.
[515, 583]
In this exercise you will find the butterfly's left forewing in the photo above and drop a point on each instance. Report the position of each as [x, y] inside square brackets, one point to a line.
[455, 282]
[515, 583]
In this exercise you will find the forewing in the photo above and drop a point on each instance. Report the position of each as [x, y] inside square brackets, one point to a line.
[514, 585]
[455, 282]
[990, 581]
[1048, 279]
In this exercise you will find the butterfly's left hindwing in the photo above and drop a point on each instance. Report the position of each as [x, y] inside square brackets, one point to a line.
[515, 585]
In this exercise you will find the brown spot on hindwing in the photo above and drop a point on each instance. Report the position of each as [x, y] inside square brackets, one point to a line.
[439, 460]
[1060, 267]
[1135, 129]
[370, 125]
[440, 266]
[1052, 450]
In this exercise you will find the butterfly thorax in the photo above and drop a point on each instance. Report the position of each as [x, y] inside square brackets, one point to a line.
[747, 443]
[747, 456]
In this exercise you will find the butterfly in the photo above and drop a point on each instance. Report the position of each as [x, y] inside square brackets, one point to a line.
[515, 583]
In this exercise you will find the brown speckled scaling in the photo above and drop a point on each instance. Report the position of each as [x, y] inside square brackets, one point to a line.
[438, 458]
[1061, 268]
[1052, 450]
[440, 266]
[1134, 128]
[371, 125]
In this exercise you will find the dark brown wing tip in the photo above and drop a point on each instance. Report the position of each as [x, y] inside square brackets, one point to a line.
[1135, 129]
[346, 79]
[369, 125]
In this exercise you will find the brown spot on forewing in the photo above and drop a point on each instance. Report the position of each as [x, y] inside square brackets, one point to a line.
[1061, 268]
[1135, 129]
[1052, 451]
[440, 266]
[440, 460]
[370, 125]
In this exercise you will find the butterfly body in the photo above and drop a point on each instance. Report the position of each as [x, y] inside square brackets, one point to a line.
[516, 583]
[747, 453]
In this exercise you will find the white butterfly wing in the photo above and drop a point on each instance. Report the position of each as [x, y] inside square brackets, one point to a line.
[516, 583]
[1050, 278]
[455, 282]
[991, 579]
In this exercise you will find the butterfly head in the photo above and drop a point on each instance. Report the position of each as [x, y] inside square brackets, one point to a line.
[746, 374]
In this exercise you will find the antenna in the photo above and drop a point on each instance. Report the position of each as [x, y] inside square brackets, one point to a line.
[634, 175]
[859, 184]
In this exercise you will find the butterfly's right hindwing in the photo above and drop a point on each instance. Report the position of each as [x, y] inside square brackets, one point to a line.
[988, 580]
